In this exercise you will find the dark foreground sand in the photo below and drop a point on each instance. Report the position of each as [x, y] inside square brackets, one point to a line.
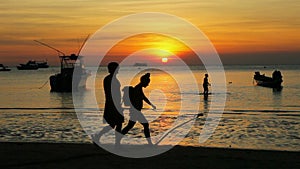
[73, 156]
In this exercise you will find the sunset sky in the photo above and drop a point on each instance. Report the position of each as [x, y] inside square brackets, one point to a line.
[242, 31]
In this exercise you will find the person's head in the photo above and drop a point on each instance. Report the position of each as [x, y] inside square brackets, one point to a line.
[112, 67]
[145, 80]
[206, 75]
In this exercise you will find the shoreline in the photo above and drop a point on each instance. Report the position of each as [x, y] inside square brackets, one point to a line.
[73, 155]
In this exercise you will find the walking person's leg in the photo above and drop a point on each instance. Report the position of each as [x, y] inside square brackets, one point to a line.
[128, 127]
[147, 133]
[118, 134]
[96, 137]
[142, 119]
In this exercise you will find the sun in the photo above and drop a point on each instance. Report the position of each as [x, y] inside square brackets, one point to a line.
[164, 60]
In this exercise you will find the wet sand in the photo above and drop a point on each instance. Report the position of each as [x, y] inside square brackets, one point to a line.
[73, 156]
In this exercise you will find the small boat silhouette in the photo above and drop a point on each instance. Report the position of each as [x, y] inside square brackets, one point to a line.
[4, 68]
[265, 81]
[30, 65]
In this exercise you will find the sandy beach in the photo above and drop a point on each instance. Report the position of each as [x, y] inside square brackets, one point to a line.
[59, 155]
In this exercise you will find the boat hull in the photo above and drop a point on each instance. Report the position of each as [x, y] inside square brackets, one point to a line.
[42, 65]
[26, 68]
[271, 84]
[65, 83]
[5, 70]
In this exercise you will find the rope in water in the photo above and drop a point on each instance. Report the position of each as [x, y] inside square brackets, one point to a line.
[164, 136]
[43, 84]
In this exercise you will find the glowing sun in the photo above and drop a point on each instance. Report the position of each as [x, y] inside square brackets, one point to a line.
[164, 60]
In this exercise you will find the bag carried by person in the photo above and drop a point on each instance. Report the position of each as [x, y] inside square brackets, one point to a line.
[128, 95]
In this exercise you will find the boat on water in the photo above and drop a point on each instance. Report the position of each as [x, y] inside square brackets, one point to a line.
[30, 65]
[42, 64]
[4, 68]
[33, 65]
[72, 75]
[68, 78]
[265, 81]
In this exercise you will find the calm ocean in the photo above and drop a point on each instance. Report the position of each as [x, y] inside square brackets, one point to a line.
[254, 117]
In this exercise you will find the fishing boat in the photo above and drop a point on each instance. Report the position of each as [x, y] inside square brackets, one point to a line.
[4, 68]
[42, 64]
[265, 81]
[30, 65]
[68, 77]
[72, 75]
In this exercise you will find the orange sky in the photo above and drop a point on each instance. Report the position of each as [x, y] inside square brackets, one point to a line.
[268, 29]
[160, 46]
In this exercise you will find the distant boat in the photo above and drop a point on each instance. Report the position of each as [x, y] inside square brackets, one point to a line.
[42, 64]
[30, 65]
[4, 68]
[72, 75]
[265, 81]
[140, 64]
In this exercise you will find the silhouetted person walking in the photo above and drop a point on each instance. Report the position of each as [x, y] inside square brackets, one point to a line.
[205, 85]
[137, 97]
[113, 112]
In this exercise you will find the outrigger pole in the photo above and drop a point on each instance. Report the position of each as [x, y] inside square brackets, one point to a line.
[50, 47]
[83, 44]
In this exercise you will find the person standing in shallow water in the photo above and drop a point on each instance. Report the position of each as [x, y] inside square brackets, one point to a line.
[113, 112]
[137, 97]
[205, 85]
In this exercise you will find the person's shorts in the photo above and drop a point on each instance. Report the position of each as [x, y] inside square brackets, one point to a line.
[137, 116]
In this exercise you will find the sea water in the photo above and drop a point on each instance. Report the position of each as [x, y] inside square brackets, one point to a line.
[253, 117]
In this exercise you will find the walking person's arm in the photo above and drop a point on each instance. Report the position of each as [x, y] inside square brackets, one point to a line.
[148, 102]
